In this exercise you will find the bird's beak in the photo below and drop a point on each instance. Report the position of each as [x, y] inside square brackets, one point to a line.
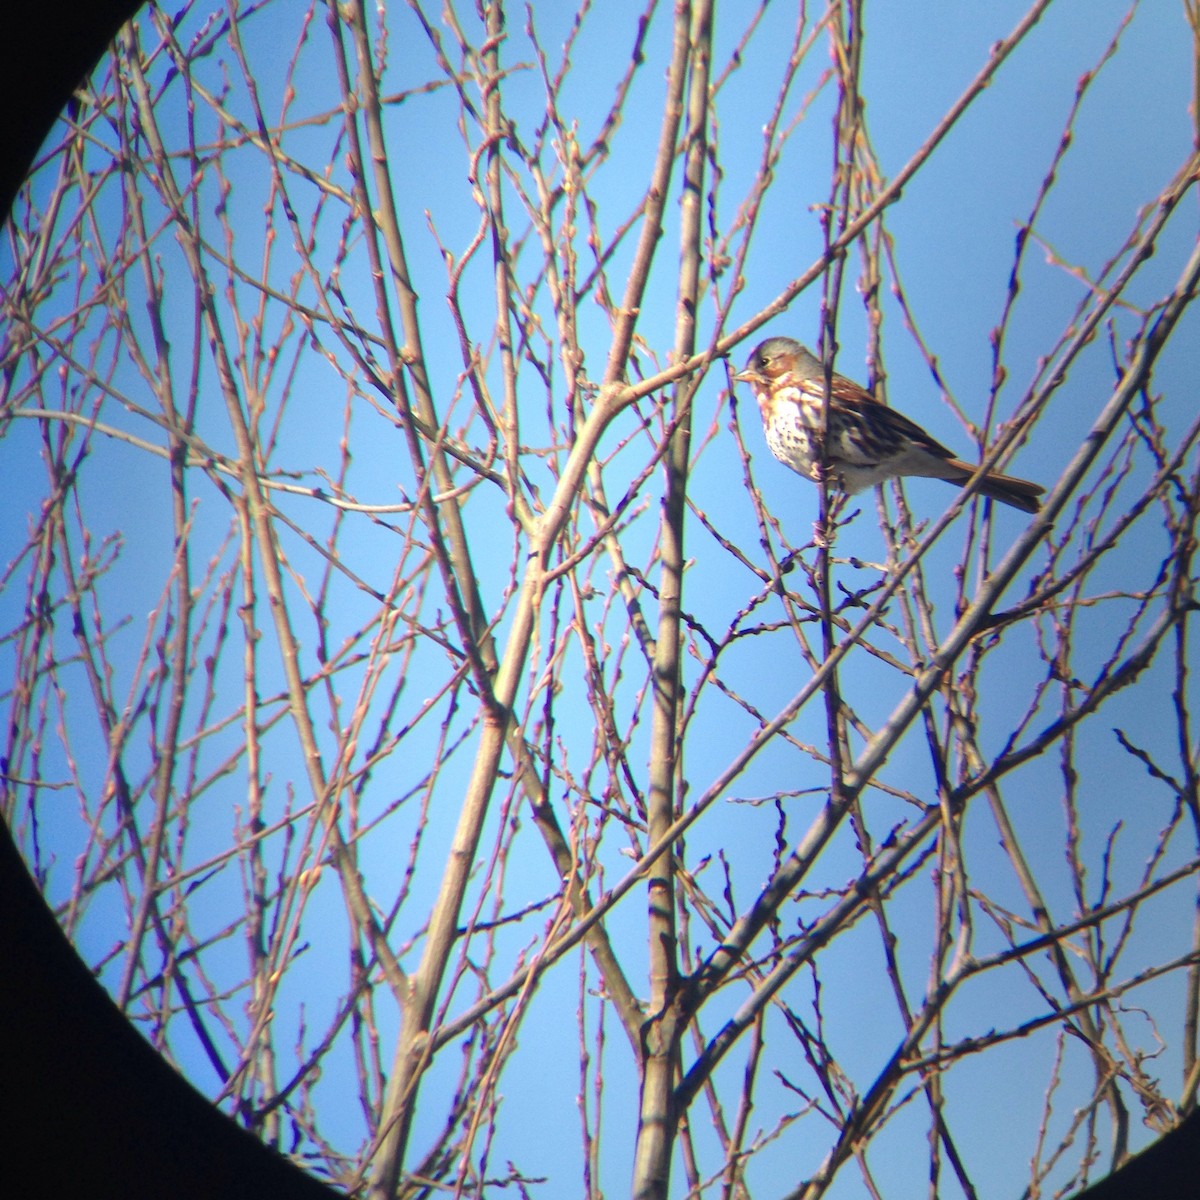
[749, 376]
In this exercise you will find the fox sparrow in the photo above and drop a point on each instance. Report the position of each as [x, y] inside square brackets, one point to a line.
[865, 442]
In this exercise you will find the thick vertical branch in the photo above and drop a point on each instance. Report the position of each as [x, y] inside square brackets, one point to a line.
[666, 1020]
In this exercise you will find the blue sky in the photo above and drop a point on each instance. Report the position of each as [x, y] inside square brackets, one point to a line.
[954, 231]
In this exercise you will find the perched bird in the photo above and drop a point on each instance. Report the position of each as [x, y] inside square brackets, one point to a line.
[865, 441]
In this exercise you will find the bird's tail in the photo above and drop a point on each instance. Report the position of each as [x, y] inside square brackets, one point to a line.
[1018, 493]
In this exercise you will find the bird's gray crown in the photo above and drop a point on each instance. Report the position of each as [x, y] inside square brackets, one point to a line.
[803, 362]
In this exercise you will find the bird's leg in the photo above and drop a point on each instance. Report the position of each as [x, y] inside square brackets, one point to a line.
[837, 504]
[825, 532]
[827, 478]
[822, 475]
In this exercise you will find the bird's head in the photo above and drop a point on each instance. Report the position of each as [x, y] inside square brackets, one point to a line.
[775, 360]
